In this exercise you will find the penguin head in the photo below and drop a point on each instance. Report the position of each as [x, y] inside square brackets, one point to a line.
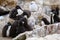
[26, 13]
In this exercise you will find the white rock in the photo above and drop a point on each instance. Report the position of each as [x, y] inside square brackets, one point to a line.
[39, 32]
[33, 38]
[50, 37]
[36, 38]
[42, 38]
[31, 21]
[1, 17]
[55, 28]
[36, 26]
[33, 6]
[56, 36]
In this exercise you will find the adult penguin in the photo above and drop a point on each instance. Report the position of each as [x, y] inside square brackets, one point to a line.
[55, 11]
[20, 26]
[11, 30]
[13, 16]
[43, 20]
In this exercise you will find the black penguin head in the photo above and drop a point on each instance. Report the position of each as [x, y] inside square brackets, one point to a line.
[19, 10]
[18, 7]
[26, 13]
